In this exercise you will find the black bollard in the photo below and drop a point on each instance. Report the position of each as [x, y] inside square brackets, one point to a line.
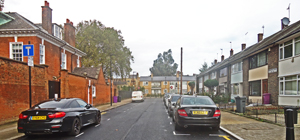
[289, 125]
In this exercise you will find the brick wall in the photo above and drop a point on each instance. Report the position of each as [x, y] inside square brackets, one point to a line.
[14, 87]
[273, 77]
[245, 78]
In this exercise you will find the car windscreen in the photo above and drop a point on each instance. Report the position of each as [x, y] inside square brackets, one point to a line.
[197, 101]
[175, 98]
[61, 103]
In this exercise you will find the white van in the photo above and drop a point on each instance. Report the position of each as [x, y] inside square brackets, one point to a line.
[137, 96]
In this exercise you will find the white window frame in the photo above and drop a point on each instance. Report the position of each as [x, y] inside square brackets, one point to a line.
[78, 62]
[43, 54]
[146, 91]
[11, 51]
[282, 46]
[63, 60]
[282, 80]
[145, 83]
[165, 90]
[165, 83]
[235, 68]
[94, 91]
[59, 35]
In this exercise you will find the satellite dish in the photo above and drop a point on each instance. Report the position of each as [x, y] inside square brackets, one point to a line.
[285, 21]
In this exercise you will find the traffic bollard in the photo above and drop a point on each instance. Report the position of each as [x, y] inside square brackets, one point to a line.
[289, 125]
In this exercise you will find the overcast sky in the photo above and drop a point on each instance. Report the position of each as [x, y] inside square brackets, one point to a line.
[201, 27]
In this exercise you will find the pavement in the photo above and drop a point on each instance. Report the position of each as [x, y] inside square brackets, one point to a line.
[237, 126]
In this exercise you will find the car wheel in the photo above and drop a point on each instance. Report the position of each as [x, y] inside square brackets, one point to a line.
[98, 118]
[75, 127]
[217, 128]
[177, 127]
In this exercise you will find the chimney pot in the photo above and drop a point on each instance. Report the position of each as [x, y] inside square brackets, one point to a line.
[231, 52]
[71, 23]
[67, 21]
[222, 58]
[243, 46]
[216, 61]
[260, 37]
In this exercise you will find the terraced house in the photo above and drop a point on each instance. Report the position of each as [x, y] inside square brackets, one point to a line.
[272, 65]
[57, 65]
[166, 84]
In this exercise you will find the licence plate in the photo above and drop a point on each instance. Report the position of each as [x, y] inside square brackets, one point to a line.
[134, 96]
[200, 112]
[38, 117]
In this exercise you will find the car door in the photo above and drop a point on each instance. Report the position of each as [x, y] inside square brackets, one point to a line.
[176, 108]
[89, 113]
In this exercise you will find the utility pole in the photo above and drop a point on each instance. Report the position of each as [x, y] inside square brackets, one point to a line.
[181, 73]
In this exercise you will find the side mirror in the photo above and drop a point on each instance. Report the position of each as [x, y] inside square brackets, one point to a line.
[88, 106]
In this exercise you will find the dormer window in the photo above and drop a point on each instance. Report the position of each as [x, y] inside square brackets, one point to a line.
[57, 31]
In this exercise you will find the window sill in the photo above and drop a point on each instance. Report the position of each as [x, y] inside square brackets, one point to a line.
[258, 67]
[298, 55]
[255, 95]
[288, 95]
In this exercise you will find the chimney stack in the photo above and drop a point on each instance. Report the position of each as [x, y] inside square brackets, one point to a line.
[243, 46]
[260, 37]
[222, 58]
[231, 52]
[216, 61]
[47, 17]
[69, 32]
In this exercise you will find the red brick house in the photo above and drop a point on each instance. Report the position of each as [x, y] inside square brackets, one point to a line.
[56, 65]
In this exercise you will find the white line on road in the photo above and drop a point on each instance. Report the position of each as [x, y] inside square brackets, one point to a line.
[170, 122]
[79, 134]
[181, 134]
[108, 119]
[97, 125]
[218, 135]
[124, 111]
[168, 117]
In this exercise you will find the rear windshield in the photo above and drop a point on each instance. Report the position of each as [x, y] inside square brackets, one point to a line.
[52, 104]
[197, 101]
[175, 98]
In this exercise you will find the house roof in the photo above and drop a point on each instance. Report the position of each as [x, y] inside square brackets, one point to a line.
[91, 72]
[258, 47]
[4, 18]
[167, 78]
[21, 25]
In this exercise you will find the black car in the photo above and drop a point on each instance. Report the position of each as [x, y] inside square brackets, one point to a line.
[172, 100]
[58, 115]
[196, 111]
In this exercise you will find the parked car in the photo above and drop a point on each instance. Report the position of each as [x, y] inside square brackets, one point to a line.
[167, 100]
[58, 115]
[196, 111]
[137, 96]
[172, 100]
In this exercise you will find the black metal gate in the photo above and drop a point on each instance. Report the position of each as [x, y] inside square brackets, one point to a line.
[54, 88]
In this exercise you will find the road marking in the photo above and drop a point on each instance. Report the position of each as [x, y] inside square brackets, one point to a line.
[226, 137]
[217, 135]
[170, 122]
[181, 134]
[124, 111]
[8, 129]
[168, 117]
[108, 119]
[102, 113]
[79, 134]
[97, 125]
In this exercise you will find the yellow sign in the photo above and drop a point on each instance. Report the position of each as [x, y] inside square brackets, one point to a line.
[39, 118]
[200, 112]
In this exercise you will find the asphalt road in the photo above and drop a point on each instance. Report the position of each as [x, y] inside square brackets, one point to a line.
[146, 120]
